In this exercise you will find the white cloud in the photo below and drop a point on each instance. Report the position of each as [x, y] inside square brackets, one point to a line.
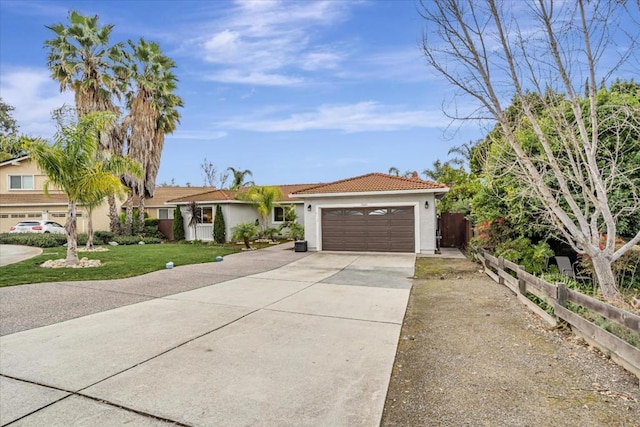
[360, 117]
[198, 135]
[34, 95]
[270, 42]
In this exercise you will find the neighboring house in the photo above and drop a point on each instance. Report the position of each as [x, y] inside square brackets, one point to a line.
[22, 197]
[372, 213]
[234, 211]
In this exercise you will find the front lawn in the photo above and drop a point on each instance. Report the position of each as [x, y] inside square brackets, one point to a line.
[118, 262]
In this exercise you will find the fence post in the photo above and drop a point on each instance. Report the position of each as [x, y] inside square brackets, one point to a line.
[500, 268]
[522, 284]
[562, 295]
[484, 261]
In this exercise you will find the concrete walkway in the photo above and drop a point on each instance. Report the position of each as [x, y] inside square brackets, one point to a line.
[10, 254]
[311, 342]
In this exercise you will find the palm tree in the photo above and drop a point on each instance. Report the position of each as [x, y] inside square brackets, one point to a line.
[73, 165]
[239, 178]
[463, 152]
[394, 171]
[81, 59]
[436, 171]
[264, 199]
[244, 231]
[152, 114]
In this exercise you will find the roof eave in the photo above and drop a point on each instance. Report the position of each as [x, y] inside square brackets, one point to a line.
[376, 193]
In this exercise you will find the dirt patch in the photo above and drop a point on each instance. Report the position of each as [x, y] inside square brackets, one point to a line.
[471, 354]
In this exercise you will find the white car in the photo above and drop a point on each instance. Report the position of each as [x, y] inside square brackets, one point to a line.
[43, 226]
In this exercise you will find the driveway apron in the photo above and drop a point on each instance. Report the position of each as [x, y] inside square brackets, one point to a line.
[309, 343]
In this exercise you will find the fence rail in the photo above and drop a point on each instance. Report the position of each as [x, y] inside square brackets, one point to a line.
[558, 297]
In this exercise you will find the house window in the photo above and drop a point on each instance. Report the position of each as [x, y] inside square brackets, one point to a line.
[205, 215]
[20, 182]
[278, 214]
[165, 213]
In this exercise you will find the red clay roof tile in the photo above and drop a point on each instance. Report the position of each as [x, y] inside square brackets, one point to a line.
[373, 182]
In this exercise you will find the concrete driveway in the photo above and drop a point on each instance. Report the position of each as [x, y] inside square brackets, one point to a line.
[10, 254]
[309, 343]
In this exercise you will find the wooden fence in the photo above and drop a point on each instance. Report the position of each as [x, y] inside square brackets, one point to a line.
[557, 296]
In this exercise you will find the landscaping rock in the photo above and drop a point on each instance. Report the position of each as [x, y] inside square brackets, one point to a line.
[61, 263]
[113, 243]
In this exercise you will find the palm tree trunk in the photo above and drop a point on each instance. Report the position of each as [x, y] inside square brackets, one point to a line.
[140, 229]
[71, 227]
[114, 222]
[128, 220]
[90, 229]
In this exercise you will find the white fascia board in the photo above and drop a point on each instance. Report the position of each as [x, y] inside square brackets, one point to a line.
[15, 161]
[376, 193]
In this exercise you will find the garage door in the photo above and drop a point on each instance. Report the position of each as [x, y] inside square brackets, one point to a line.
[372, 229]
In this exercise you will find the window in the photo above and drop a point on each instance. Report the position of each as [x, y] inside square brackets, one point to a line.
[20, 182]
[278, 214]
[165, 213]
[59, 215]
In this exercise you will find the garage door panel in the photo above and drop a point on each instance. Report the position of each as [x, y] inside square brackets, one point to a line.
[376, 229]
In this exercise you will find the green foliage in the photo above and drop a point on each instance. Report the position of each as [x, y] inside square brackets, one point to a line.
[295, 231]
[33, 239]
[151, 222]
[219, 226]
[263, 198]
[134, 240]
[178, 224]
[521, 251]
[244, 231]
[103, 237]
[135, 224]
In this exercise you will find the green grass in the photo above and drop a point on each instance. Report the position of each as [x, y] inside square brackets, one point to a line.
[118, 262]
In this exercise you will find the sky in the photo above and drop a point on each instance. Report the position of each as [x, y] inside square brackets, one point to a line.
[295, 91]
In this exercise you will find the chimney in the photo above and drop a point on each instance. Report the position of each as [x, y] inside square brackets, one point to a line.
[414, 175]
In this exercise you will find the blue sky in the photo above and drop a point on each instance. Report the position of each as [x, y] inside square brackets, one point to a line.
[297, 92]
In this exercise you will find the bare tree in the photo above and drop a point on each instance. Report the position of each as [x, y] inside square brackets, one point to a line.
[208, 173]
[493, 56]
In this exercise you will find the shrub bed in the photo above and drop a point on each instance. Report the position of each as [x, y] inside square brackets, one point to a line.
[54, 240]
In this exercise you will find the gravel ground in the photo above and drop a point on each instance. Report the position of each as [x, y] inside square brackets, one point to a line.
[471, 355]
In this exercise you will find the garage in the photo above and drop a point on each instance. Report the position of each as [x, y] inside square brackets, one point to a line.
[375, 212]
[371, 229]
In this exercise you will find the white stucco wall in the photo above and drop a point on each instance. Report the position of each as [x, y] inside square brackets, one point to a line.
[234, 214]
[425, 219]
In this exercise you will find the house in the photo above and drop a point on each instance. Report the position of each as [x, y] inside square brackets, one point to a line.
[234, 211]
[22, 198]
[369, 213]
[372, 213]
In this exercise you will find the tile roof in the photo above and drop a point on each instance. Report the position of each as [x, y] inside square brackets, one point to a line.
[26, 199]
[228, 195]
[373, 182]
[161, 195]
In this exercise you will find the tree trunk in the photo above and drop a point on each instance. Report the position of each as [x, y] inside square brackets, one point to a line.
[246, 242]
[140, 229]
[114, 220]
[71, 227]
[128, 221]
[90, 230]
[606, 278]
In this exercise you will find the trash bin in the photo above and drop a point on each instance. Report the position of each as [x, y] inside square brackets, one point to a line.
[301, 246]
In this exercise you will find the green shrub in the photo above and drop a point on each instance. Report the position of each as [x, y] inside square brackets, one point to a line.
[521, 251]
[219, 227]
[33, 239]
[134, 240]
[244, 231]
[178, 225]
[151, 222]
[103, 237]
